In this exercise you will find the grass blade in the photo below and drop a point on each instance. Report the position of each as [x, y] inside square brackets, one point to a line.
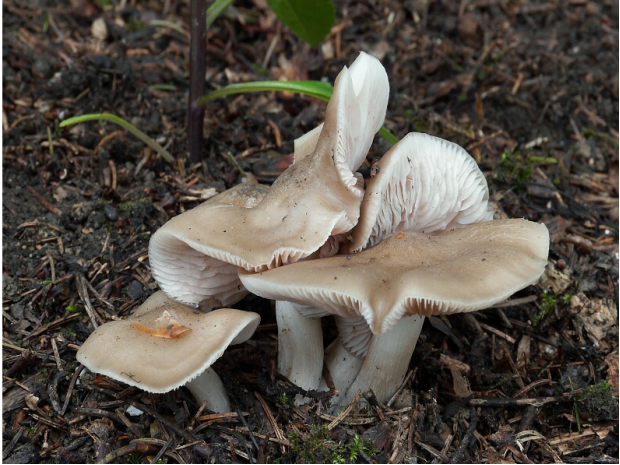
[125, 125]
[317, 89]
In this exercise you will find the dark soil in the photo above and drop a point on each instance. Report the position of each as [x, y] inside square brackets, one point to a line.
[528, 88]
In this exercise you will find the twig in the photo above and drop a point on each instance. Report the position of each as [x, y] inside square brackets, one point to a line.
[74, 379]
[345, 412]
[529, 387]
[402, 386]
[81, 287]
[53, 324]
[99, 297]
[497, 332]
[44, 202]
[56, 354]
[132, 448]
[271, 419]
[13, 442]
[536, 401]
[252, 438]
[433, 451]
[161, 451]
[456, 457]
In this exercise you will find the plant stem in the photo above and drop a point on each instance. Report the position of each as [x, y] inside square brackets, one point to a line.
[197, 68]
[124, 124]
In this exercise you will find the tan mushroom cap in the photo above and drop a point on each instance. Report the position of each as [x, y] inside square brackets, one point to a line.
[313, 199]
[178, 262]
[423, 184]
[127, 350]
[412, 273]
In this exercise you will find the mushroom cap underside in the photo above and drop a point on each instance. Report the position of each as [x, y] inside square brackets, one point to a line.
[423, 184]
[412, 273]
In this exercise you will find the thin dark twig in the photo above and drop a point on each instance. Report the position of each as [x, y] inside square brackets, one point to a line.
[162, 450]
[237, 436]
[456, 458]
[70, 390]
[245, 423]
[13, 442]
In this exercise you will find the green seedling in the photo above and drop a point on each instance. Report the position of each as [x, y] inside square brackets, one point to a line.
[548, 303]
[575, 407]
[320, 447]
[318, 89]
[125, 125]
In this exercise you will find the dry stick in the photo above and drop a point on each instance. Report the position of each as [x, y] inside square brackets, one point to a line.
[13, 442]
[400, 389]
[433, 451]
[133, 428]
[271, 419]
[535, 401]
[345, 412]
[81, 287]
[132, 448]
[497, 332]
[53, 324]
[530, 386]
[99, 297]
[56, 354]
[162, 450]
[252, 438]
[184, 434]
[467, 439]
[44, 202]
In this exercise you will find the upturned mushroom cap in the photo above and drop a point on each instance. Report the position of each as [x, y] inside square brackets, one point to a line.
[181, 266]
[165, 344]
[412, 273]
[313, 199]
[423, 184]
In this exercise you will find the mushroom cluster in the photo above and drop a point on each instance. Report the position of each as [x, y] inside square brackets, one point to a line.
[418, 239]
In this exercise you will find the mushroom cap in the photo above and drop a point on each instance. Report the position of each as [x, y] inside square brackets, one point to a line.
[125, 351]
[423, 184]
[411, 273]
[315, 198]
[180, 265]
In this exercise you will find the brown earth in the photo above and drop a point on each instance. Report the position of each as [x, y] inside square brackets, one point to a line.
[528, 88]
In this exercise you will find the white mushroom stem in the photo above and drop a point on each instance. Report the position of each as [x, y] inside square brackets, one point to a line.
[343, 368]
[209, 387]
[386, 363]
[300, 346]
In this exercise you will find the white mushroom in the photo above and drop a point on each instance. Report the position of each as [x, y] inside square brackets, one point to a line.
[299, 217]
[423, 184]
[315, 198]
[414, 274]
[165, 345]
[180, 267]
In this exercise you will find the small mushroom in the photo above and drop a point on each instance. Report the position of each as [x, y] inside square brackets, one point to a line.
[164, 345]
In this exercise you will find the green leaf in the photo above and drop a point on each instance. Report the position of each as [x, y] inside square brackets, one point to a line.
[215, 10]
[124, 124]
[311, 20]
[319, 89]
